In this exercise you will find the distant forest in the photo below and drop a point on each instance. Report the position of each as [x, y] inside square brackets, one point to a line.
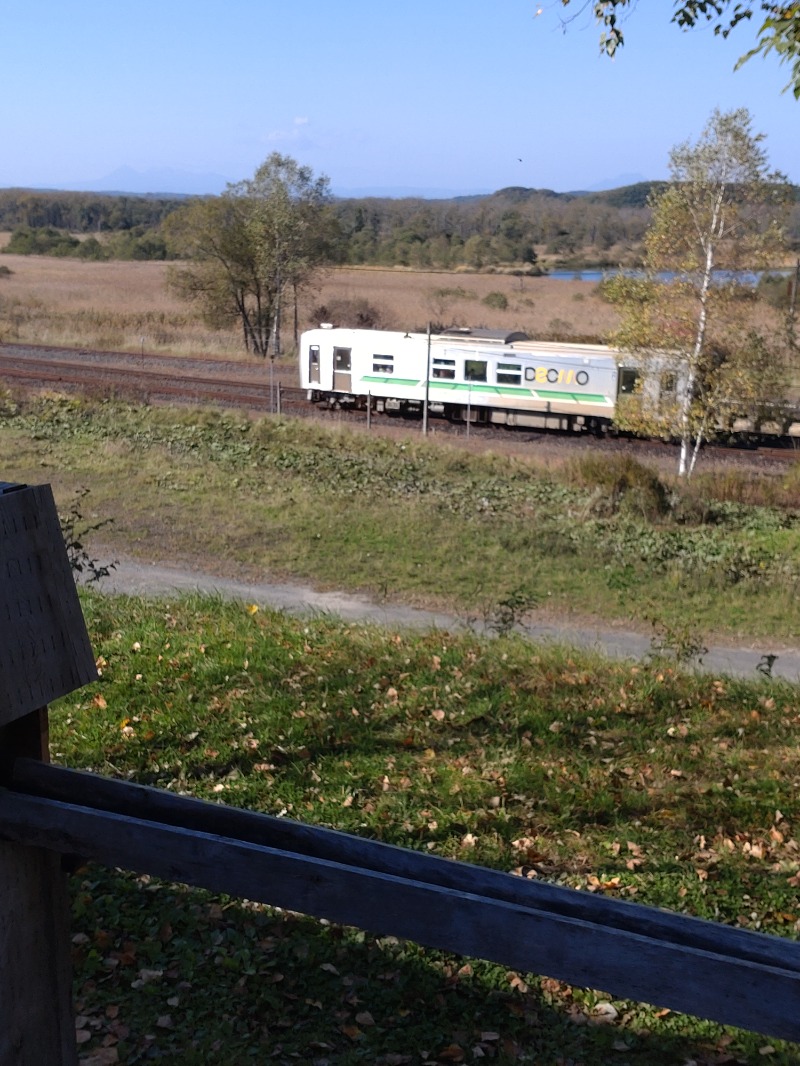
[515, 229]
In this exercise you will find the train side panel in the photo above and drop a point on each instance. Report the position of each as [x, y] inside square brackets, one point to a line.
[560, 385]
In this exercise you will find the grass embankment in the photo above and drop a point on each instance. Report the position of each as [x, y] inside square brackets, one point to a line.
[634, 781]
[425, 523]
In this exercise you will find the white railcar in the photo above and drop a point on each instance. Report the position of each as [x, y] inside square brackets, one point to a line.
[475, 375]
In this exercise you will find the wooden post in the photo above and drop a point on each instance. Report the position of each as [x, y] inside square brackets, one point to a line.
[44, 654]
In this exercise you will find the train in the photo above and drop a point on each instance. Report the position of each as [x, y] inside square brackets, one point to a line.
[489, 376]
[476, 375]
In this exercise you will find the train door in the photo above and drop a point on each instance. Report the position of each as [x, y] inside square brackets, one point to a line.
[341, 369]
[313, 364]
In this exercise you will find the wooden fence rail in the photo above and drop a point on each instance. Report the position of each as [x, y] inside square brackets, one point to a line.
[734, 976]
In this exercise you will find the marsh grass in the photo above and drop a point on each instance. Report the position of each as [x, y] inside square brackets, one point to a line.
[127, 306]
[636, 781]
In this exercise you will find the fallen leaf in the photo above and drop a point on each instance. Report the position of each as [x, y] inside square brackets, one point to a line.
[516, 982]
[452, 1053]
[604, 1013]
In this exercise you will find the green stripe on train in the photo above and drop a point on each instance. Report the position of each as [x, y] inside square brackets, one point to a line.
[493, 390]
[521, 392]
[373, 379]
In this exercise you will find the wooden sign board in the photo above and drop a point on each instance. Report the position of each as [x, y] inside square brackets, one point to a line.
[44, 647]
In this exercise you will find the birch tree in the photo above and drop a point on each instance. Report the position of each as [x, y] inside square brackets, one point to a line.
[704, 356]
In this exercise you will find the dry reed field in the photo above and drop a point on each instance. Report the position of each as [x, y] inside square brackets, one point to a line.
[126, 305]
[543, 307]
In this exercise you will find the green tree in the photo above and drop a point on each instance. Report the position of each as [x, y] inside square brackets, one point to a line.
[253, 247]
[778, 32]
[702, 356]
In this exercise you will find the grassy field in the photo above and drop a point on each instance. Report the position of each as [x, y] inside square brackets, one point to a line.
[633, 781]
[417, 521]
[126, 306]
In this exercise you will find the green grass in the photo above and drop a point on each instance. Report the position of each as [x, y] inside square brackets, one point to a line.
[637, 781]
[419, 522]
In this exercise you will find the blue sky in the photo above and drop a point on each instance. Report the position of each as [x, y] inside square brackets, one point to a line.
[455, 96]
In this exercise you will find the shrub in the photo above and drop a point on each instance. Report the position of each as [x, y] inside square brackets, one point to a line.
[498, 301]
[775, 289]
[353, 314]
[558, 329]
[621, 484]
[42, 240]
[91, 249]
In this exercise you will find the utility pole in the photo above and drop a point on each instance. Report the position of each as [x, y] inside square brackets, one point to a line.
[427, 385]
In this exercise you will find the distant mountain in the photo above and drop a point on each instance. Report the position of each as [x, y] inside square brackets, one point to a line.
[619, 182]
[406, 192]
[174, 182]
[167, 181]
[401, 192]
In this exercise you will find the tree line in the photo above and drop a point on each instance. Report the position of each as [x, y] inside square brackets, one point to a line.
[81, 212]
[512, 227]
[516, 228]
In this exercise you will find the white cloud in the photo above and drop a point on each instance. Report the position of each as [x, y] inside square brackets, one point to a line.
[294, 133]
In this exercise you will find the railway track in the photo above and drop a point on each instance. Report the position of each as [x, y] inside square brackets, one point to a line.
[151, 378]
[230, 383]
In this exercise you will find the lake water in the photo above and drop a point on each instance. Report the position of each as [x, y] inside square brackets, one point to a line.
[744, 277]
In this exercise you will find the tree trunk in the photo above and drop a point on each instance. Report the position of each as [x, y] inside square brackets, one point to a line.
[685, 465]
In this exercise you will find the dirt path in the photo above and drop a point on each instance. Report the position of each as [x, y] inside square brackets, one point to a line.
[133, 578]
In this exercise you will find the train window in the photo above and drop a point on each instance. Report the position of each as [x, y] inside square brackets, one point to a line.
[475, 370]
[628, 379]
[313, 353]
[383, 364]
[509, 374]
[341, 359]
[444, 368]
